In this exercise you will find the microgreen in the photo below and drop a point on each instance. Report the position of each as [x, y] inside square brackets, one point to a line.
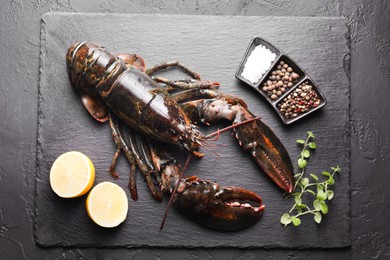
[318, 186]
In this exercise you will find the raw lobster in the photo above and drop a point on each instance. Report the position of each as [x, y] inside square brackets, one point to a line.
[216, 207]
[120, 86]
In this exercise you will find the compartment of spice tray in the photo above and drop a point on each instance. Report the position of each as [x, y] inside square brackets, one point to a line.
[259, 58]
[300, 101]
[274, 74]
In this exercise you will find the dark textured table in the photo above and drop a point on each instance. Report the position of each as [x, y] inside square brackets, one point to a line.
[369, 73]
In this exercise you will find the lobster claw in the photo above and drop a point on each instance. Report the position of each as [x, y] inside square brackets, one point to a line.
[216, 207]
[268, 152]
[255, 138]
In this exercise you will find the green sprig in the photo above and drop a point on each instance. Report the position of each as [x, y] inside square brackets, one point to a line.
[303, 185]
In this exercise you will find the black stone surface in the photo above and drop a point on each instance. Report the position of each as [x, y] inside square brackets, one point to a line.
[213, 46]
[369, 25]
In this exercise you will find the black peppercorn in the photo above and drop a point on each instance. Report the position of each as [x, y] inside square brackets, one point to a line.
[280, 80]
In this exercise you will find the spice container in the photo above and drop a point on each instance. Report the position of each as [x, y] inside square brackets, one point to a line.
[276, 78]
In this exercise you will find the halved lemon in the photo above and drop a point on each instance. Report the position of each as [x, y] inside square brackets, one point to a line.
[72, 175]
[107, 204]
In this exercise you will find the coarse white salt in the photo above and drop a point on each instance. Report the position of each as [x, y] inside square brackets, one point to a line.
[258, 62]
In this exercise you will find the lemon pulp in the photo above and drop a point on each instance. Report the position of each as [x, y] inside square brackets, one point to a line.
[107, 204]
[72, 175]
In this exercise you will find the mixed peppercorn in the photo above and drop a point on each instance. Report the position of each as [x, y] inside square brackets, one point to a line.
[299, 101]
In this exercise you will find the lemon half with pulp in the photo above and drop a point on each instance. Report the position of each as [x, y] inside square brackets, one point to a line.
[72, 175]
[107, 204]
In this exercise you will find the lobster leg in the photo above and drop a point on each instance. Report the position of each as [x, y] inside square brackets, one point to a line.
[177, 64]
[147, 155]
[143, 148]
[113, 164]
[143, 167]
[255, 138]
[133, 156]
[197, 93]
[122, 145]
[190, 84]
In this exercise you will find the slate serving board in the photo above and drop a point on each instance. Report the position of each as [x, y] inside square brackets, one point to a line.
[213, 46]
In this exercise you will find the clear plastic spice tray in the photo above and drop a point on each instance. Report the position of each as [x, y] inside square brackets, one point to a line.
[281, 81]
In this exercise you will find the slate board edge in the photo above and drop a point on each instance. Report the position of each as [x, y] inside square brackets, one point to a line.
[314, 18]
[270, 246]
[348, 152]
[40, 119]
[39, 146]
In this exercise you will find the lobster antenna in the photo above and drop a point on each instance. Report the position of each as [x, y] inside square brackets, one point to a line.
[218, 132]
[175, 190]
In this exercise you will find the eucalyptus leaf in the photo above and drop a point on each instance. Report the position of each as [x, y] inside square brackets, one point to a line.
[298, 201]
[305, 181]
[320, 188]
[336, 169]
[296, 221]
[330, 194]
[314, 176]
[330, 181]
[316, 205]
[326, 174]
[301, 206]
[285, 219]
[296, 194]
[317, 217]
[324, 207]
[312, 145]
[302, 163]
[321, 196]
[300, 141]
[305, 153]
